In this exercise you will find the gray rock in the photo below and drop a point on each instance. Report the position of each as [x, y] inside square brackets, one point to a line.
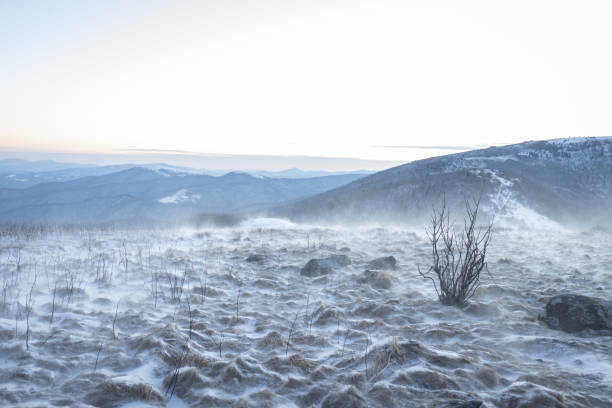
[572, 313]
[256, 258]
[385, 263]
[465, 404]
[349, 398]
[324, 266]
[377, 279]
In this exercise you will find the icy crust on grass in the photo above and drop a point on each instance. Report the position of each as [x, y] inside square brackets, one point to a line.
[198, 325]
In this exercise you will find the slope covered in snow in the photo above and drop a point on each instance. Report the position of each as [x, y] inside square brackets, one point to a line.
[560, 180]
[154, 195]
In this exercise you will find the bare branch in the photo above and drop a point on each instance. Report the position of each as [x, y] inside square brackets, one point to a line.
[457, 260]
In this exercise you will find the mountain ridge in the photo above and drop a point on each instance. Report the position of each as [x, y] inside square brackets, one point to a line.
[154, 195]
[551, 180]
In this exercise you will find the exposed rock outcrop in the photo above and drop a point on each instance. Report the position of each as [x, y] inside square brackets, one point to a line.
[256, 258]
[572, 313]
[377, 279]
[383, 263]
[324, 266]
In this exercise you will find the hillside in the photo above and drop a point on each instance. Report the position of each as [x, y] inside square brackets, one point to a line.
[563, 180]
[147, 195]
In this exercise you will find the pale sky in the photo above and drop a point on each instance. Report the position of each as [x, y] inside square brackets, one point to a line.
[370, 79]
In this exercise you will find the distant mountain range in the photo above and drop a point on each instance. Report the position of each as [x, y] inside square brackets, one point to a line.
[567, 181]
[154, 194]
[18, 173]
[26, 166]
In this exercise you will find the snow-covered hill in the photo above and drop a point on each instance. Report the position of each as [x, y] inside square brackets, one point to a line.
[154, 194]
[16, 173]
[553, 181]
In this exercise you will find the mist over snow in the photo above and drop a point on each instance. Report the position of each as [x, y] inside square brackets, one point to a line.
[306, 204]
[223, 317]
[162, 286]
[564, 181]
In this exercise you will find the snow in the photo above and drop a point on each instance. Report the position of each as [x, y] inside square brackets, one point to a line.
[573, 140]
[181, 196]
[153, 330]
[496, 177]
[267, 223]
[507, 210]
[14, 176]
[516, 211]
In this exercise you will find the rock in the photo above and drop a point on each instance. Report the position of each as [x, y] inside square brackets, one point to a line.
[522, 394]
[382, 281]
[378, 279]
[349, 398]
[572, 313]
[465, 404]
[482, 309]
[122, 390]
[487, 376]
[431, 380]
[384, 263]
[185, 383]
[256, 258]
[324, 266]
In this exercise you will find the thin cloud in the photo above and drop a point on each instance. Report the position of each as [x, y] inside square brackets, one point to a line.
[427, 147]
[155, 151]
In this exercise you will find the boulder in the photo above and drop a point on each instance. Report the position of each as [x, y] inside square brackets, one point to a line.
[256, 258]
[324, 266]
[465, 404]
[572, 313]
[384, 263]
[121, 390]
[349, 398]
[377, 279]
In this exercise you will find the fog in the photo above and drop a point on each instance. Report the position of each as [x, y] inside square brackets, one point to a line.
[203, 316]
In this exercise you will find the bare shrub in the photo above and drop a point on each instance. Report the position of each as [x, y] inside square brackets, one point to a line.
[290, 333]
[458, 256]
[28, 310]
[176, 285]
[115, 335]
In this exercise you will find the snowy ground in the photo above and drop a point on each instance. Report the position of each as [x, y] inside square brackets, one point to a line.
[179, 318]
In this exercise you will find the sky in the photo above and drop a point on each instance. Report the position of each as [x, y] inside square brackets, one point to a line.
[369, 79]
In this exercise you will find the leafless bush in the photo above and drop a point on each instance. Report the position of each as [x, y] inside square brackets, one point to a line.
[190, 312]
[218, 342]
[237, 305]
[291, 333]
[458, 257]
[101, 267]
[365, 353]
[115, 335]
[203, 289]
[176, 285]
[175, 372]
[70, 280]
[53, 304]
[17, 258]
[154, 286]
[5, 288]
[28, 310]
[124, 258]
[97, 357]
[23, 231]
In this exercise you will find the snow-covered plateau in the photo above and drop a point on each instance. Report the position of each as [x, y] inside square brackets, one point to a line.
[223, 317]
